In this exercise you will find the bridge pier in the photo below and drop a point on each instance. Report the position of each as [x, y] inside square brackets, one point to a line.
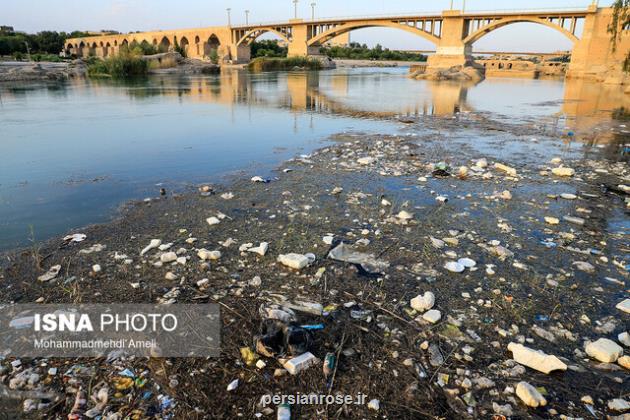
[298, 46]
[241, 53]
[451, 50]
[593, 57]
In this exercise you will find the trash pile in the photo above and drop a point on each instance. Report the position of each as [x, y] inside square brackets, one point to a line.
[433, 279]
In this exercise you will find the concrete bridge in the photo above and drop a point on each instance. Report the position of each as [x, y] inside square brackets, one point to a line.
[453, 33]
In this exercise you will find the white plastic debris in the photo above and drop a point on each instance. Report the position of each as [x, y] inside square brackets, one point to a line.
[152, 245]
[296, 261]
[300, 363]
[213, 221]
[530, 395]
[535, 359]
[454, 267]
[50, 274]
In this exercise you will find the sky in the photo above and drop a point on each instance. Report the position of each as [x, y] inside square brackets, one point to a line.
[144, 15]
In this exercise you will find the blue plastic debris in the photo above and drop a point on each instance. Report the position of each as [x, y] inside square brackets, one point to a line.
[313, 327]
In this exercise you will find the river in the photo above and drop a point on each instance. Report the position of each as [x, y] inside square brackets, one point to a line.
[74, 152]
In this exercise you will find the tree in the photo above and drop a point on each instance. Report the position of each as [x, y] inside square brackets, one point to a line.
[620, 22]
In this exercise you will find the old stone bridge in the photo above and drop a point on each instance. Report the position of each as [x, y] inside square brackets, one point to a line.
[453, 33]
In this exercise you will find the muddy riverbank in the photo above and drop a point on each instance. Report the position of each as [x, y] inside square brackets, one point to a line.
[521, 237]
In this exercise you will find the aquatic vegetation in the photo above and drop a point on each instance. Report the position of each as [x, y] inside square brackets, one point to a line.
[124, 65]
[275, 64]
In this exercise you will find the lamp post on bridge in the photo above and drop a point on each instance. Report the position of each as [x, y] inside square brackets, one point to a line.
[295, 4]
[451, 4]
[313, 10]
[463, 5]
[247, 17]
[229, 13]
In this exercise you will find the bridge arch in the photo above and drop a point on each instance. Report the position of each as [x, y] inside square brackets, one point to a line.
[211, 46]
[348, 27]
[252, 35]
[165, 44]
[485, 30]
[184, 45]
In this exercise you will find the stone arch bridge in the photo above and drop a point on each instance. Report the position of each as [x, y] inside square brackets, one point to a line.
[453, 33]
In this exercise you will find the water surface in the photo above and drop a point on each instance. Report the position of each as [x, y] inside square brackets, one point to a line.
[73, 152]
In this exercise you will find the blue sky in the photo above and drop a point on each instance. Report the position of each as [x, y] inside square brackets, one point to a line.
[133, 15]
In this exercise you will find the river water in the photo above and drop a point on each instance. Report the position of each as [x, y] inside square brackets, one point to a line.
[72, 153]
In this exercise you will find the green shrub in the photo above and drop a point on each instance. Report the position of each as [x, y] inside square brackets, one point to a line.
[214, 56]
[356, 51]
[46, 57]
[124, 65]
[277, 64]
[268, 48]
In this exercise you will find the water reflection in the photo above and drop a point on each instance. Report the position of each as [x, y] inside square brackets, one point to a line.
[74, 151]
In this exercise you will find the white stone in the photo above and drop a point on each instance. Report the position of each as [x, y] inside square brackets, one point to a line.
[422, 303]
[257, 179]
[562, 171]
[535, 359]
[256, 281]
[432, 316]
[405, 215]
[437, 243]
[624, 361]
[260, 364]
[568, 196]
[374, 405]
[213, 221]
[552, 220]
[366, 160]
[604, 350]
[206, 255]
[530, 395]
[260, 249]
[624, 338]
[96, 268]
[152, 245]
[508, 170]
[168, 257]
[454, 267]
[297, 261]
[467, 262]
[618, 405]
[624, 306]
[574, 220]
[328, 240]
[584, 266]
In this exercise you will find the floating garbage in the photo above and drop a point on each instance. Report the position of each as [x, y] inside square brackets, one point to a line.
[368, 262]
[75, 237]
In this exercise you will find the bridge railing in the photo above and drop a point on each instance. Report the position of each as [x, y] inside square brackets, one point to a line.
[419, 15]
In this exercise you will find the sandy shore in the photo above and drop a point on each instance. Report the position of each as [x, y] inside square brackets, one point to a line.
[368, 63]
